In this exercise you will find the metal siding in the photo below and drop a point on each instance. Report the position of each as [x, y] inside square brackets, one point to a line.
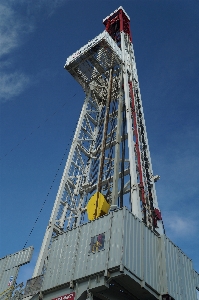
[129, 242]
[83, 251]
[184, 279]
[9, 266]
[17, 259]
[48, 275]
[64, 264]
[97, 261]
[151, 258]
[6, 277]
[61, 260]
[141, 251]
[173, 280]
[182, 286]
[3, 262]
[116, 239]
[57, 257]
[180, 279]
[66, 251]
[133, 246]
[196, 279]
[69, 258]
[187, 278]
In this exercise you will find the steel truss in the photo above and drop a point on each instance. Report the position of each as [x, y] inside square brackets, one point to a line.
[110, 151]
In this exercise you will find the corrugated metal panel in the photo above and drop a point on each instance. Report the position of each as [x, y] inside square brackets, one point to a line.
[48, 277]
[56, 259]
[186, 274]
[97, 261]
[141, 251]
[196, 279]
[154, 260]
[115, 253]
[9, 266]
[172, 260]
[87, 262]
[179, 268]
[6, 277]
[17, 259]
[3, 262]
[70, 259]
[133, 244]
[61, 259]
[82, 252]
[151, 258]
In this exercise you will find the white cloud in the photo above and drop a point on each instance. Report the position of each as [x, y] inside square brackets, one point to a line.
[180, 226]
[8, 38]
[12, 85]
[14, 27]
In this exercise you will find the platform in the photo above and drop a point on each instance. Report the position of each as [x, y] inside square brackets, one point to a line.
[118, 255]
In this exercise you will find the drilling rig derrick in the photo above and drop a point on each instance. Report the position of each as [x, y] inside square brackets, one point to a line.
[105, 238]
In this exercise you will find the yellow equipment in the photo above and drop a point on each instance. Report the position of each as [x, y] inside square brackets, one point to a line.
[97, 206]
[7, 293]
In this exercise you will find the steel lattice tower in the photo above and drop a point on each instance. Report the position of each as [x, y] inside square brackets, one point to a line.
[110, 151]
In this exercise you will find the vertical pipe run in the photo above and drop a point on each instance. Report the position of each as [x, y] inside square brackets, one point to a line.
[136, 209]
[141, 185]
[105, 132]
[99, 186]
[123, 156]
[117, 147]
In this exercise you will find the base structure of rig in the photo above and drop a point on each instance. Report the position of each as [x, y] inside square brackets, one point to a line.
[105, 238]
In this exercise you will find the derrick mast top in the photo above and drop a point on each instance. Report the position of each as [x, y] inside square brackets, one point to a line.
[116, 22]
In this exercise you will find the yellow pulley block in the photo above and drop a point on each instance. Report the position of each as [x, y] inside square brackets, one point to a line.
[97, 206]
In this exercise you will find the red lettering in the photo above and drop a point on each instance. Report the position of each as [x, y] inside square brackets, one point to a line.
[70, 296]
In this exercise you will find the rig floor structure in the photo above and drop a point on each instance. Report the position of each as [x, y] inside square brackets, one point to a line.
[105, 238]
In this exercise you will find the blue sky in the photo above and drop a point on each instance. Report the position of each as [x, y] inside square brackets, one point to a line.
[40, 104]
